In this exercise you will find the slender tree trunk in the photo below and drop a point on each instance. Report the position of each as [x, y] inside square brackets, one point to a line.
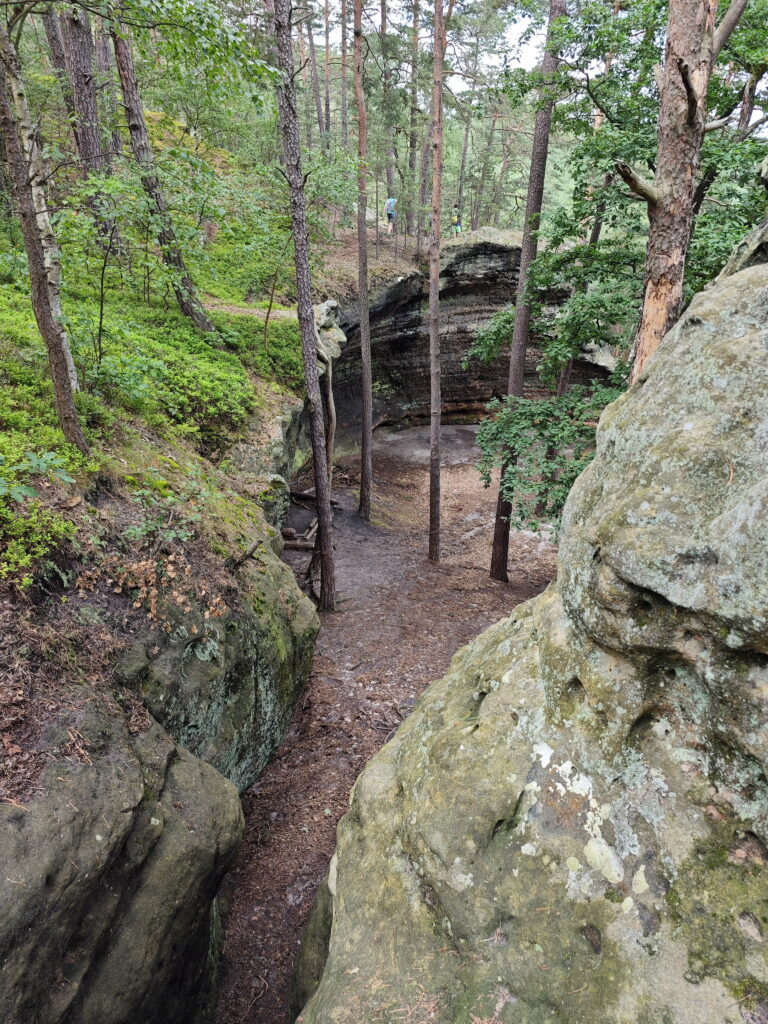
[434, 287]
[327, 64]
[80, 59]
[326, 384]
[366, 453]
[184, 289]
[748, 99]
[106, 67]
[52, 28]
[463, 166]
[413, 133]
[494, 206]
[314, 73]
[533, 205]
[27, 174]
[305, 83]
[692, 46]
[289, 127]
[557, 9]
[467, 126]
[386, 92]
[423, 192]
[344, 93]
[485, 167]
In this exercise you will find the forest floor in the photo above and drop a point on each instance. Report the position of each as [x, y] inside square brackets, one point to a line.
[400, 620]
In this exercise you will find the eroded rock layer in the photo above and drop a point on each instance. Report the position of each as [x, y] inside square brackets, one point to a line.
[478, 278]
[572, 827]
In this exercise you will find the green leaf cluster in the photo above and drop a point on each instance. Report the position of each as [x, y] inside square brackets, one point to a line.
[540, 446]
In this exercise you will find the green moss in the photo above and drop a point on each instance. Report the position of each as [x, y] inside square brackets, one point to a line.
[718, 894]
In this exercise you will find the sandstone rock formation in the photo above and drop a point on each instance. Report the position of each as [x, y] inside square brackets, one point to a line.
[572, 826]
[226, 688]
[108, 879]
[110, 872]
[478, 278]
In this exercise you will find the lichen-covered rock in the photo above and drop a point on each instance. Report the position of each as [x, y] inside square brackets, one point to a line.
[226, 687]
[572, 827]
[108, 880]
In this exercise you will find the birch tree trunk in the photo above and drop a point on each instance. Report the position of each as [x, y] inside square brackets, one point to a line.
[184, 289]
[289, 128]
[366, 446]
[27, 174]
[693, 43]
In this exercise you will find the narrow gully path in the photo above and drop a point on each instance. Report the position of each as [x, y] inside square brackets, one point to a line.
[400, 621]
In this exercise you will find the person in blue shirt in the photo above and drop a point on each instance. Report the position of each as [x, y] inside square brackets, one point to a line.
[390, 208]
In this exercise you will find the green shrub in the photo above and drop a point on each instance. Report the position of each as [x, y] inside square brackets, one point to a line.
[29, 534]
[279, 359]
[29, 531]
[541, 445]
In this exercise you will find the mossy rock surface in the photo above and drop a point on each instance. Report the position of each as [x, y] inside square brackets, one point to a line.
[572, 826]
[110, 877]
[226, 687]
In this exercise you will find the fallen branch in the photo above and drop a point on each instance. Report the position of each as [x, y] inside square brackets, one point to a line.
[310, 496]
[235, 563]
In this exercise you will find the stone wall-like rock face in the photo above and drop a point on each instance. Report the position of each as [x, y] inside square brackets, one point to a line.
[109, 874]
[572, 826]
[478, 278]
[226, 688]
[109, 878]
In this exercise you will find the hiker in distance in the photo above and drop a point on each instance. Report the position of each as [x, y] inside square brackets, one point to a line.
[390, 208]
[456, 221]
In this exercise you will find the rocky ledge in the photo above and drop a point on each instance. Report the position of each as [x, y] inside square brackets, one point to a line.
[109, 879]
[478, 278]
[573, 824]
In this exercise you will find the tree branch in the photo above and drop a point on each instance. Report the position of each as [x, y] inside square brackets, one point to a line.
[722, 122]
[746, 132]
[727, 25]
[640, 186]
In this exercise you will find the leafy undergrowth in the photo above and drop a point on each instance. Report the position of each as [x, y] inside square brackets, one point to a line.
[94, 549]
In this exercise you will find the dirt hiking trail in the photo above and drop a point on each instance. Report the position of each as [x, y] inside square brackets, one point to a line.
[399, 622]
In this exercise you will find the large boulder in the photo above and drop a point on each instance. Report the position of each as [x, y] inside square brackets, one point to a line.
[109, 877]
[572, 826]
